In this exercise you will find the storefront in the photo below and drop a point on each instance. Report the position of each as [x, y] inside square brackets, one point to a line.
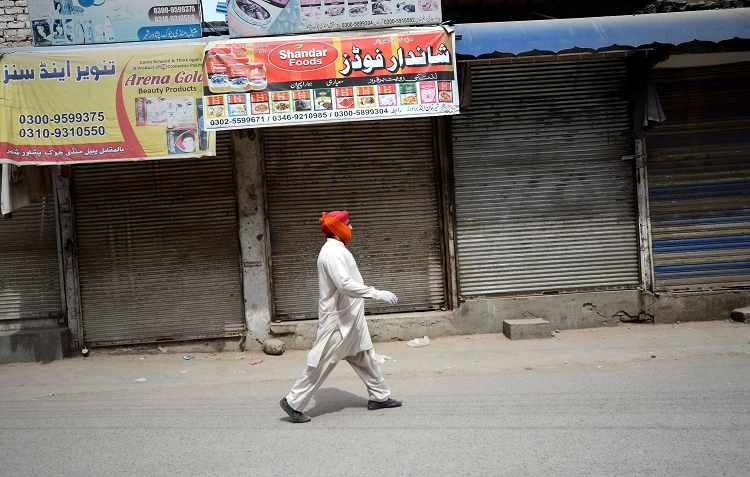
[544, 158]
[543, 173]
[158, 249]
[699, 178]
[386, 174]
[148, 213]
[531, 190]
[356, 132]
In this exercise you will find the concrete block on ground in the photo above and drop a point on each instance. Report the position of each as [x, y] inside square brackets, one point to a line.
[273, 347]
[526, 328]
[33, 345]
[741, 314]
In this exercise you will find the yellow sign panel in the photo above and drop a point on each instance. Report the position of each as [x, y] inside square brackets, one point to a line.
[127, 102]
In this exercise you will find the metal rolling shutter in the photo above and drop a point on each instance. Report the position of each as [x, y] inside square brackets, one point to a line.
[384, 173]
[158, 249]
[699, 178]
[544, 201]
[29, 265]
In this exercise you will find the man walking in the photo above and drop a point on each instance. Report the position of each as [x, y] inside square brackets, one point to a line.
[342, 328]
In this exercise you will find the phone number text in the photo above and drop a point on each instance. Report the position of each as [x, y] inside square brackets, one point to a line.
[72, 131]
[61, 118]
[300, 116]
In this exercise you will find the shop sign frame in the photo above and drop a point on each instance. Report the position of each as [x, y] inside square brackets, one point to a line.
[310, 79]
[102, 104]
[258, 18]
[86, 22]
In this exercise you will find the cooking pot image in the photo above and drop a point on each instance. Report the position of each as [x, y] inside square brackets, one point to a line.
[258, 12]
[90, 3]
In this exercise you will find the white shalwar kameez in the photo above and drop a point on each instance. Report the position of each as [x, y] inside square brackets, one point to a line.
[342, 328]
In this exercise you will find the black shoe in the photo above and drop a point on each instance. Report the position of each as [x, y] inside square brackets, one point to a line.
[388, 403]
[295, 416]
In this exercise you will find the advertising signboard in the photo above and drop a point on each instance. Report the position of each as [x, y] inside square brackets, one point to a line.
[252, 18]
[84, 22]
[310, 79]
[85, 104]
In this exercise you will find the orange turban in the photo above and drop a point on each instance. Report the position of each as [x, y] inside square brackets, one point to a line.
[336, 223]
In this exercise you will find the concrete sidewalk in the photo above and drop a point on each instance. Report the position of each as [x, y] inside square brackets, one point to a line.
[597, 348]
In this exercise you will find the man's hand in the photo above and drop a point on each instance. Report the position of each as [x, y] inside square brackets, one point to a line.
[387, 297]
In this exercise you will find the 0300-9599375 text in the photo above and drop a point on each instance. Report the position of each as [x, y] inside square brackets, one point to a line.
[61, 118]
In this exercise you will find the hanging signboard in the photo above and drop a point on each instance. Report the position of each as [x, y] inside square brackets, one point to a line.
[251, 18]
[97, 104]
[79, 22]
[301, 80]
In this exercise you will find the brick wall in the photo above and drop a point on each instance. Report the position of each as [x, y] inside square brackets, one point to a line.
[15, 29]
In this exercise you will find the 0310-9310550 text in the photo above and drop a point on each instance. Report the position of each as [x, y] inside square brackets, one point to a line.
[62, 132]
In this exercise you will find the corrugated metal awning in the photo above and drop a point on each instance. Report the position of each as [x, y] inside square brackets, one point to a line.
[592, 35]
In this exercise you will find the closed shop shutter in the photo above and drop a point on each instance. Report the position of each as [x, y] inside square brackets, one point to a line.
[384, 173]
[699, 178]
[29, 265]
[158, 249]
[544, 201]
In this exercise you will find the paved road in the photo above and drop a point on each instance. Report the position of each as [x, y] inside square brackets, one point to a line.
[686, 417]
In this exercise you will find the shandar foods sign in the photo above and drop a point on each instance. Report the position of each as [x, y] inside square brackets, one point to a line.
[79, 22]
[84, 104]
[312, 55]
[252, 18]
[302, 80]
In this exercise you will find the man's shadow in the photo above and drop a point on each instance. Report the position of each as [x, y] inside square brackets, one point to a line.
[331, 400]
